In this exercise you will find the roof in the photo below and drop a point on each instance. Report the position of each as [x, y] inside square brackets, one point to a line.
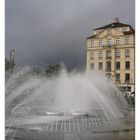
[113, 25]
[125, 33]
[128, 33]
[93, 36]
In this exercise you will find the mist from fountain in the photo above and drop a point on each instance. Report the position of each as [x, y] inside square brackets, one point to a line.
[29, 97]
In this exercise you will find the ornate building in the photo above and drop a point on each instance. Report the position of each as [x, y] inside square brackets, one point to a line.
[111, 49]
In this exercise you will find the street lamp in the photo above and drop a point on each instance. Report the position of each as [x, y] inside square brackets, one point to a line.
[12, 55]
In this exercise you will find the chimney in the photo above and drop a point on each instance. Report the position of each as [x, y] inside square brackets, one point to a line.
[115, 20]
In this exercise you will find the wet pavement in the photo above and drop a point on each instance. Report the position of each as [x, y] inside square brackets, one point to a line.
[124, 135]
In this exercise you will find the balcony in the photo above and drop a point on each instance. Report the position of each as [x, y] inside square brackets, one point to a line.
[100, 57]
[117, 56]
[118, 81]
[127, 81]
[109, 46]
[91, 58]
[127, 55]
[108, 69]
[127, 68]
[117, 68]
[108, 57]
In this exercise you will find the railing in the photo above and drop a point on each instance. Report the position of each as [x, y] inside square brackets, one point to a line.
[109, 46]
[108, 69]
[91, 58]
[127, 68]
[108, 57]
[127, 81]
[118, 81]
[118, 68]
[117, 56]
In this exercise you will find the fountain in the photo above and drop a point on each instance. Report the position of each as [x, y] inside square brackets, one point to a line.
[68, 103]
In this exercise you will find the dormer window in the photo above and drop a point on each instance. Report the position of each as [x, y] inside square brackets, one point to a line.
[95, 32]
[115, 20]
[124, 29]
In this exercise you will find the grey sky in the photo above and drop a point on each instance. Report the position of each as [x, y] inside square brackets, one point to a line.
[53, 31]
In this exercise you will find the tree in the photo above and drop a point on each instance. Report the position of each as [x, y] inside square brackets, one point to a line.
[53, 70]
[9, 65]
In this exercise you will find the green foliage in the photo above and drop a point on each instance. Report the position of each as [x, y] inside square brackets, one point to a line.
[53, 70]
[9, 65]
[50, 71]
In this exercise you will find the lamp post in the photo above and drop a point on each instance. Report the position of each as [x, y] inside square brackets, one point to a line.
[12, 55]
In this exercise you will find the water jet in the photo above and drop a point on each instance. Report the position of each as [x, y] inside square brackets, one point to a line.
[68, 103]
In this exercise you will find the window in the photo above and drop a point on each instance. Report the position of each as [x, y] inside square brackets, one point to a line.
[127, 65]
[127, 40]
[118, 53]
[100, 65]
[127, 77]
[109, 42]
[91, 66]
[108, 66]
[117, 77]
[100, 43]
[124, 29]
[127, 53]
[118, 41]
[117, 65]
[91, 55]
[100, 54]
[108, 54]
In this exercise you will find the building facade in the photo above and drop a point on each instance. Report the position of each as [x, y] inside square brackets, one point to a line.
[111, 50]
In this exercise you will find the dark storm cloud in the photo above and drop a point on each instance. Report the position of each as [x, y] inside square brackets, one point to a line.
[53, 31]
